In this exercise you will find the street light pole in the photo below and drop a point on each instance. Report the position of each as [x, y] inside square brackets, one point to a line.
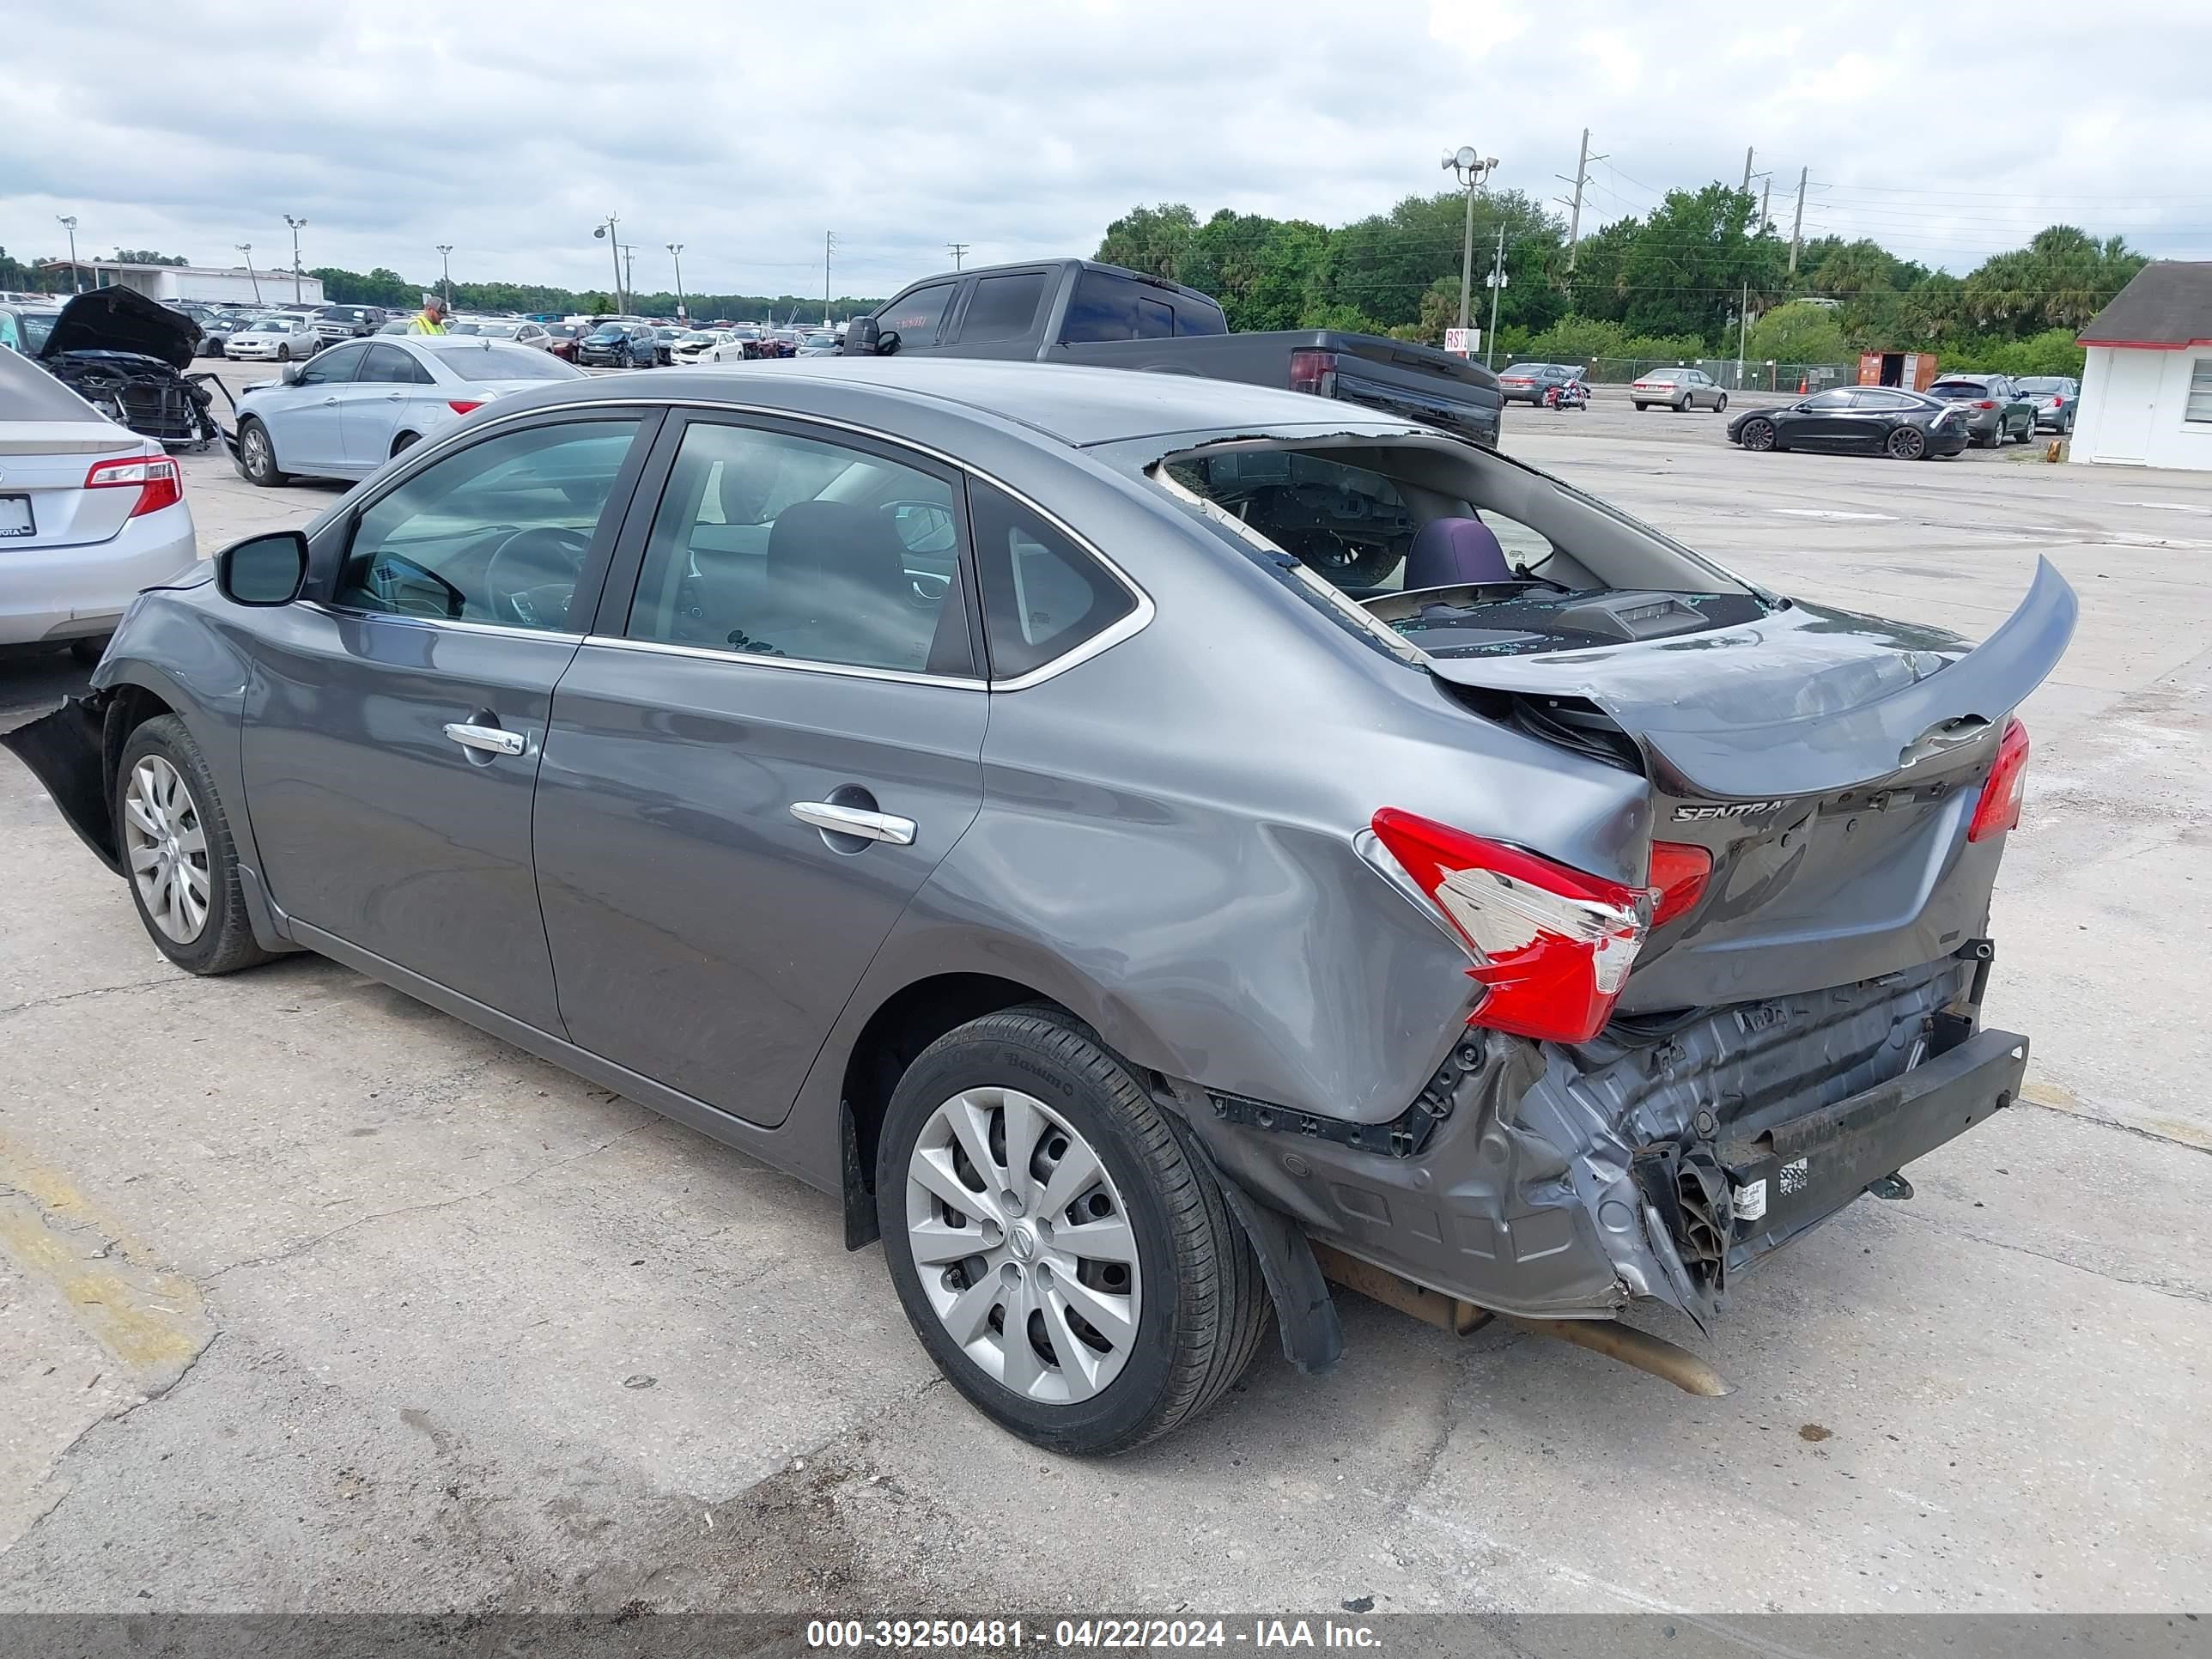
[1470, 167]
[1497, 283]
[247, 248]
[614, 251]
[297, 225]
[68, 221]
[445, 267]
[675, 252]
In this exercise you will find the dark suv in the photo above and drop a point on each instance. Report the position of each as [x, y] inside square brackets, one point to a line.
[335, 323]
[617, 345]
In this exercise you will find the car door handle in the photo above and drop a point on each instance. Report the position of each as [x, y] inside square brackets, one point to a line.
[329, 400]
[854, 821]
[492, 740]
[394, 396]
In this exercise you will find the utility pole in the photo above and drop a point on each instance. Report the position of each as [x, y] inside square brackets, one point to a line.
[1797, 225]
[1765, 197]
[829, 253]
[630, 272]
[446, 263]
[958, 250]
[1581, 179]
[1747, 170]
[675, 252]
[68, 223]
[297, 225]
[247, 248]
[1497, 283]
[1742, 333]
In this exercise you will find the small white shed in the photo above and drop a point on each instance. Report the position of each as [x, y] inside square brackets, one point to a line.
[2147, 386]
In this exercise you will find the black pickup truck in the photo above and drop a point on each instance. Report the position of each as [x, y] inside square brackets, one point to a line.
[1077, 311]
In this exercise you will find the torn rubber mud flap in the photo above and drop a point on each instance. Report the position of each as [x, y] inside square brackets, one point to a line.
[1804, 701]
[63, 749]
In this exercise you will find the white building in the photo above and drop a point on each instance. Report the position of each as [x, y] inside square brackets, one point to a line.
[2147, 387]
[236, 284]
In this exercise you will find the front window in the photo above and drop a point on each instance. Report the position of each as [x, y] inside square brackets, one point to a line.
[496, 532]
[768, 545]
[2199, 406]
[916, 317]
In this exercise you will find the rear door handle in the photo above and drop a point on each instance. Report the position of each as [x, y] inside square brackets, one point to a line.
[854, 821]
[492, 740]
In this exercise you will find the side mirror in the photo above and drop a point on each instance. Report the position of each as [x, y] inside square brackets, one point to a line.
[863, 336]
[263, 570]
[291, 374]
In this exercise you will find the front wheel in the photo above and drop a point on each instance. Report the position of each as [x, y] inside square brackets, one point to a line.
[1720, 404]
[1906, 444]
[1757, 435]
[257, 455]
[177, 851]
[283, 353]
[1065, 1256]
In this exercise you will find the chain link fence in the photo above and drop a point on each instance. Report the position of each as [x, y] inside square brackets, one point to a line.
[1749, 375]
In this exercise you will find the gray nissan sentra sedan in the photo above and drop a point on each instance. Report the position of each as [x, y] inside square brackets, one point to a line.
[966, 787]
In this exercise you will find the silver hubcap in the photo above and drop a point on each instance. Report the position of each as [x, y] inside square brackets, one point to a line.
[1023, 1244]
[167, 846]
[257, 450]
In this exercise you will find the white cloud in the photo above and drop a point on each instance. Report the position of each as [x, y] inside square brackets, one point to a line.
[1020, 130]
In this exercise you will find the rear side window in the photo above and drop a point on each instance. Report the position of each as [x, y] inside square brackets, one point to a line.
[1043, 595]
[1001, 307]
[389, 365]
[1104, 307]
[1155, 319]
[1191, 318]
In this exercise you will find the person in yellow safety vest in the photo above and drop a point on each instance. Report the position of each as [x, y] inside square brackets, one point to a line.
[431, 319]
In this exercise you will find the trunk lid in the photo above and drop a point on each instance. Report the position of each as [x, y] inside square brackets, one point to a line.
[47, 461]
[1829, 761]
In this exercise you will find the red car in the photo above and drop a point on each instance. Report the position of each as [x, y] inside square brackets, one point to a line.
[565, 336]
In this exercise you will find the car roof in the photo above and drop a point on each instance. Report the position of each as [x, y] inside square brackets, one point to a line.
[1080, 406]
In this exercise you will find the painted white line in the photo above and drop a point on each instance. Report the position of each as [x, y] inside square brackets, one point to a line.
[2163, 506]
[1829, 512]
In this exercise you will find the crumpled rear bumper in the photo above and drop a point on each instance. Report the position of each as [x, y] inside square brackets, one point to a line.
[1566, 1182]
[64, 750]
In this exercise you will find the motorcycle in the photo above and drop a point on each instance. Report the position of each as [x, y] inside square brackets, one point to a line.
[1566, 394]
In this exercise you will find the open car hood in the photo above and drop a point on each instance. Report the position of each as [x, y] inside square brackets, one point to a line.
[124, 319]
[1805, 701]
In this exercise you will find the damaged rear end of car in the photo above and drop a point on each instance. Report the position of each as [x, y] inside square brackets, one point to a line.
[1687, 1042]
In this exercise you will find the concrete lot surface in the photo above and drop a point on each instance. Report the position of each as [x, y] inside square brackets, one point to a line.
[311, 1297]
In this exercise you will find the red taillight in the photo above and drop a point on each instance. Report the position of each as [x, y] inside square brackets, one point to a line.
[1986, 403]
[1313, 371]
[1551, 945]
[1998, 810]
[1679, 874]
[154, 477]
[463, 405]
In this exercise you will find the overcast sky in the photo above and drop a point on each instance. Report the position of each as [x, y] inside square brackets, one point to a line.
[1947, 131]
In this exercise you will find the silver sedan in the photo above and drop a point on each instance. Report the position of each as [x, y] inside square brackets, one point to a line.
[360, 404]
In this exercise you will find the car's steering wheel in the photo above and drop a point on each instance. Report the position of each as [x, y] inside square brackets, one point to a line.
[531, 576]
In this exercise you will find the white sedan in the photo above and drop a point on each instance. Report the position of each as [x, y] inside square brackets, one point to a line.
[281, 336]
[90, 512]
[521, 330]
[694, 343]
[360, 404]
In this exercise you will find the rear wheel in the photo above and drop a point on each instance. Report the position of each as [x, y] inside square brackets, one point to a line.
[177, 852]
[1757, 434]
[1681, 402]
[1906, 444]
[405, 442]
[257, 456]
[1066, 1258]
[1640, 407]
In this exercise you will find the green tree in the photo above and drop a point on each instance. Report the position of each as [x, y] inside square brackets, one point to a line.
[146, 256]
[1599, 285]
[1694, 256]
[1149, 240]
[1799, 333]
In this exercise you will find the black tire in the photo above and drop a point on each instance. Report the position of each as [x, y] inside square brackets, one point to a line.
[225, 942]
[1906, 443]
[1757, 435]
[1994, 438]
[1640, 408]
[257, 455]
[1202, 1308]
[283, 353]
[1720, 404]
[1679, 406]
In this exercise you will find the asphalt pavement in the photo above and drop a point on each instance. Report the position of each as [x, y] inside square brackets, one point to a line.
[314, 1298]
